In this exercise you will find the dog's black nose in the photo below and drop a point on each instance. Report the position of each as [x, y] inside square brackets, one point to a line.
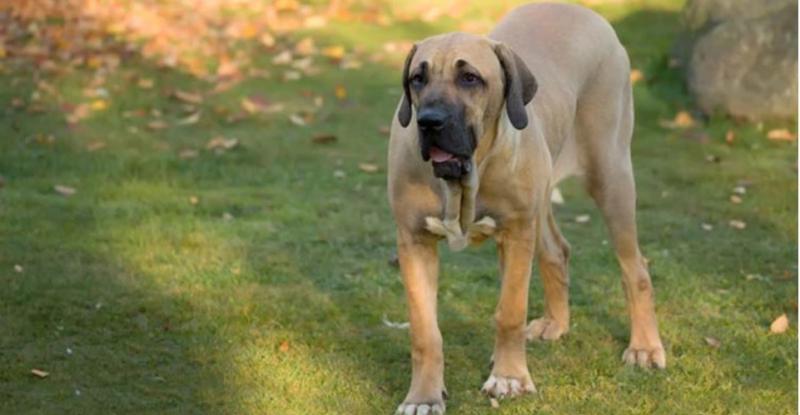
[431, 119]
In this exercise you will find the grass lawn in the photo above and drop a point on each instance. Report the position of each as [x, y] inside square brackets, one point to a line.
[255, 280]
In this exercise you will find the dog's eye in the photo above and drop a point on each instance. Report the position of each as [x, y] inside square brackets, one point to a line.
[417, 81]
[469, 79]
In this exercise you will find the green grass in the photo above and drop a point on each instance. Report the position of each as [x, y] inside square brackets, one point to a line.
[167, 307]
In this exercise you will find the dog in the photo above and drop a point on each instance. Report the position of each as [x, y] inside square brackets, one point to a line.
[485, 128]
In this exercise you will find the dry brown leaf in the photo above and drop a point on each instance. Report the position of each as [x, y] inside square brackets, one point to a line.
[78, 113]
[298, 120]
[335, 53]
[736, 199]
[636, 76]
[221, 143]
[682, 120]
[305, 47]
[95, 145]
[267, 40]
[192, 119]
[324, 139]
[292, 76]
[283, 58]
[284, 346]
[99, 105]
[188, 97]
[194, 200]
[341, 92]
[157, 125]
[781, 134]
[368, 167]
[64, 190]
[713, 342]
[780, 324]
[145, 83]
[40, 373]
[188, 153]
[730, 136]
[737, 224]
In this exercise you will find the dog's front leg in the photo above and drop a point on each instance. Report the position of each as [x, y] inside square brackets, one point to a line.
[510, 376]
[419, 264]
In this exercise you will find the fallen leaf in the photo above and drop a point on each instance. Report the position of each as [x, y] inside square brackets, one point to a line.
[781, 134]
[267, 40]
[187, 154]
[188, 97]
[95, 145]
[298, 120]
[713, 342]
[145, 83]
[780, 324]
[730, 136]
[157, 125]
[64, 190]
[40, 373]
[305, 46]
[192, 119]
[283, 58]
[368, 167]
[284, 346]
[341, 92]
[735, 199]
[99, 105]
[706, 226]
[737, 224]
[682, 120]
[335, 53]
[636, 76]
[194, 200]
[324, 139]
[395, 325]
[78, 113]
[292, 75]
[18, 268]
[221, 143]
[582, 218]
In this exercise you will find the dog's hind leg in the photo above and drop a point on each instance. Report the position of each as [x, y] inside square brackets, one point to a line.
[553, 255]
[605, 132]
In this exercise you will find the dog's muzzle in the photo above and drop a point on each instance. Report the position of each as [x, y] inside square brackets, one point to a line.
[446, 141]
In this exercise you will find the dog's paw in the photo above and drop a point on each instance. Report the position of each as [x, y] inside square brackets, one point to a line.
[430, 408]
[545, 329]
[507, 387]
[645, 357]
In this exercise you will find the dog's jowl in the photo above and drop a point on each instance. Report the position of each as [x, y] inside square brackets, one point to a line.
[486, 127]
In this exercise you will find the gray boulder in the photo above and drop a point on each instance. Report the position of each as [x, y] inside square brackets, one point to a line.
[741, 57]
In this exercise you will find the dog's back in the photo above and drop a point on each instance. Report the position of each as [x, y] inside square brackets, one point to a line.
[568, 48]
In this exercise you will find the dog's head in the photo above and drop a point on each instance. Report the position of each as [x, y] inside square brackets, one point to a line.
[458, 84]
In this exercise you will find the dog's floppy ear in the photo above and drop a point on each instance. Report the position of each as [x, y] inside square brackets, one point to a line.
[404, 115]
[520, 86]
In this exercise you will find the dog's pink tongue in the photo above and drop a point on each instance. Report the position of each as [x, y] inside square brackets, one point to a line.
[440, 156]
